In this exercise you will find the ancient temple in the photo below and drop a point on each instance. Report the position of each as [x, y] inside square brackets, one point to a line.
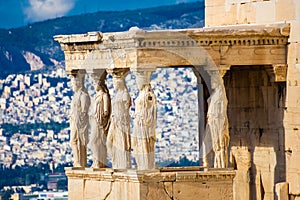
[246, 63]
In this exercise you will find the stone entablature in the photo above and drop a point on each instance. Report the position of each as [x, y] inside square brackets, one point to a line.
[273, 34]
[136, 48]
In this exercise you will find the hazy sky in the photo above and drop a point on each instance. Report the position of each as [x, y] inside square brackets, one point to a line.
[15, 13]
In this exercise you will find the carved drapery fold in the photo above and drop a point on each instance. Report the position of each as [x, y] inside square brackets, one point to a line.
[79, 119]
[215, 48]
[118, 138]
[99, 119]
[144, 137]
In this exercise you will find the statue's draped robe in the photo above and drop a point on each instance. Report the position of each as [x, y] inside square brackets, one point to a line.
[79, 122]
[216, 137]
[99, 126]
[144, 129]
[118, 141]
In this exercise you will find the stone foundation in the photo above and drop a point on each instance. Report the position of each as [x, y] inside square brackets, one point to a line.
[167, 184]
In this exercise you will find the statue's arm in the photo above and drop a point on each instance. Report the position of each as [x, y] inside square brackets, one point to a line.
[85, 102]
[150, 118]
[127, 100]
[106, 105]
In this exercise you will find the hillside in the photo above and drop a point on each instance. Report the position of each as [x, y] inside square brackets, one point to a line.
[32, 46]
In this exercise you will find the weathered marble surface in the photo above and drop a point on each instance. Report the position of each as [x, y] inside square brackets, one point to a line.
[224, 48]
[143, 139]
[118, 139]
[79, 120]
[216, 137]
[144, 129]
[134, 185]
[100, 122]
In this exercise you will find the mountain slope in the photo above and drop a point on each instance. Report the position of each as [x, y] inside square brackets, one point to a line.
[35, 41]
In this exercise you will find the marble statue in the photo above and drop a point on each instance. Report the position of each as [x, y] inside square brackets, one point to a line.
[79, 120]
[240, 158]
[143, 139]
[118, 139]
[100, 122]
[216, 133]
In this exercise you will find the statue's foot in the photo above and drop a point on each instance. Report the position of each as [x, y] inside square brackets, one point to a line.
[205, 164]
[76, 164]
[95, 165]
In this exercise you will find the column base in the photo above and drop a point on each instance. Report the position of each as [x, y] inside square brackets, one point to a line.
[169, 184]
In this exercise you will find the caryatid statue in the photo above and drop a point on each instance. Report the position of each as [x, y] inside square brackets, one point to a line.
[118, 139]
[79, 120]
[143, 139]
[100, 121]
[216, 133]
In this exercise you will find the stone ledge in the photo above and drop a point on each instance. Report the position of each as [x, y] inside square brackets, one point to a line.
[242, 35]
[171, 175]
[170, 183]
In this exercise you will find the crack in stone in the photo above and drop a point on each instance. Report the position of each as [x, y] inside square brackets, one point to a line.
[147, 193]
[110, 189]
[167, 192]
[83, 187]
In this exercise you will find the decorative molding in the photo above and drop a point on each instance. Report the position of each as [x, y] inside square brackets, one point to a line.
[79, 38]
[118, 72]
[280, 71]
[151, 176]
[223, 69]
[277, 72]
[217, 41]
[229, 36]
[231, 45]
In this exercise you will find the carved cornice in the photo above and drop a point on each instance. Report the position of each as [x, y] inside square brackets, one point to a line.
[230, 45]
[180, 42]
[148, 176]
[218, 41]
[89, 37]
[231, 35]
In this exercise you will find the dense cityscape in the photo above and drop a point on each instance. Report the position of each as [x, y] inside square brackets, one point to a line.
[44, 100]
[35, 108]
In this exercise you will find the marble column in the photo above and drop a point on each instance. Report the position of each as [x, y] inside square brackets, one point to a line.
[143, 139]
[79, 119]
[118, 138]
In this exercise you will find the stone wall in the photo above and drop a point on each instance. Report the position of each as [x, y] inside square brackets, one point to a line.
[255, 114]
[234, 12]
[230, 12]
[132, 185]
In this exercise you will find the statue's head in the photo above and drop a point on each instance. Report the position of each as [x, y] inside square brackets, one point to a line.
[142, 79]
[215, 78]
[99, 78]
[102, 87]
[119, 83]
[77, 82]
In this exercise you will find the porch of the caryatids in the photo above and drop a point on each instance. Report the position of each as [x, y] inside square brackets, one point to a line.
[79, 119]
[118, 139]
[143, 139]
